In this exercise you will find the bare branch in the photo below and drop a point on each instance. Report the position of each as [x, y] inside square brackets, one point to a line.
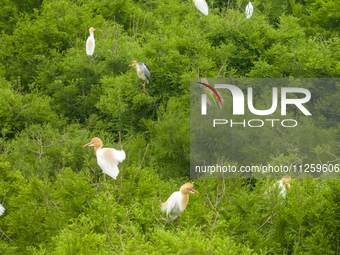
[269, 231]
[121, 229]
[140, 165]
[213, 226]
[6, 235]
[272, 215]
[153, 210]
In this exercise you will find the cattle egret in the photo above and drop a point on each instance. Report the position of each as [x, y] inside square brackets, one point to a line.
[107, 158]
[178, 201]
[90, 44]
[249, 10]
[202, 6]
[143, 71]
[282, 185]
[2, 210]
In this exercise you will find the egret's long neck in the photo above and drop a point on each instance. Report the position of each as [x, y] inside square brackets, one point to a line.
[96, 149]
[185, 201]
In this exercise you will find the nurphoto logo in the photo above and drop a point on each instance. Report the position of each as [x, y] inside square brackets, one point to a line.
[238, 100]
[263, 127]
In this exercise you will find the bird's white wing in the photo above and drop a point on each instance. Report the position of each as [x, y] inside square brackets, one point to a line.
[146, 71]
[202, 6]
[108, 160]
[281, 189]
[90, 44]
[249, 10]
[2, 209]
[174, 204]
[119, 155]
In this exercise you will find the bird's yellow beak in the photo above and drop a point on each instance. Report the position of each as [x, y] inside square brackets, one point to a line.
[194, 191]
[88, 144]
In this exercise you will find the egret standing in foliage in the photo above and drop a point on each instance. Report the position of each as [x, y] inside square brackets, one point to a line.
[202, 6]
[90, 44]
[143, 71]
[107, 158]
[178, 201]
[2, 209]
[282, 185]
[249, 10]
[279, 189]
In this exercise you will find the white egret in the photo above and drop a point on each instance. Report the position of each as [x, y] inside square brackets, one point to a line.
[202, 6]
[90, 43]
[249, 10]
[2, 209]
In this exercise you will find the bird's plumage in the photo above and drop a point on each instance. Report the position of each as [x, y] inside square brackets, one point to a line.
[249, 10]
[2, 209]
[279, 189]
[283, 185]
[202, 6]
[178, 201]
[143, 71]
[90, 43]
[107, 158]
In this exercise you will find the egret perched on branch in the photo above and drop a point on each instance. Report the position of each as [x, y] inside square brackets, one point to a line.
[107, 158]
[143, 71]
[178, 201]
[202, 6]
[249, 10]
[90, 44]
[2, 210]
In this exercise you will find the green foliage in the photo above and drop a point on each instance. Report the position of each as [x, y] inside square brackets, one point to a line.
[323, 18]
[18, 110]
[55, 98]
[169, 139]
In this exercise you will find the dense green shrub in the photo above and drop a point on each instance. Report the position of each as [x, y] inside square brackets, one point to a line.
[55, 98]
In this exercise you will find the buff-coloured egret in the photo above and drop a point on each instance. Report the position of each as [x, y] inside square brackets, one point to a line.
[107, 158]
[178, 201]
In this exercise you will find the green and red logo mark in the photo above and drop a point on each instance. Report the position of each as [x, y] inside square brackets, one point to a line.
[208, 92]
